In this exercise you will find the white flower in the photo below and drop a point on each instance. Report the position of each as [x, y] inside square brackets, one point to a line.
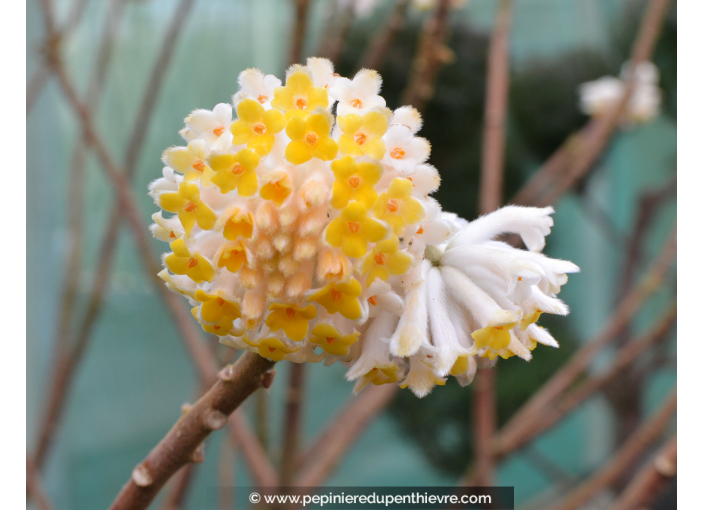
[323, 73]
[212, 126]
[257, 85]
[358, 95]
[404, 152]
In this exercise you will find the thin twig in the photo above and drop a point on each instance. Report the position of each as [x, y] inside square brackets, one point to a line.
[579, 153]
[490, 199]
[261, 469]
[321, 458]
[624, 459]
[651, 480]
[379, 47]
[236, 382]
[35, 488]
[430, 56]
[226, 473]
[579, 362]
[292, 423]
[333, 42]
[176, 499]
[299, 31]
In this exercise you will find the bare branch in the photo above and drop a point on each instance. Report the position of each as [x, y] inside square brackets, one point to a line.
[298, 35]
[292, 423]
[625, 457]
[182, 482]
[650, 480]
[262, 470]
[379, 47]
[35, 488]
[178, 447]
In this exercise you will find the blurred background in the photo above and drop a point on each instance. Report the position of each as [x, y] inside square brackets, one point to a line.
[135, 373]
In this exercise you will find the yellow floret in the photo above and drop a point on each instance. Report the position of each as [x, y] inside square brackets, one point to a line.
[353, 229]
[189, 207]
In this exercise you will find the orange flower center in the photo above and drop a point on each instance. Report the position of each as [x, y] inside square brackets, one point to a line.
[311, 138]
[356, 103]
[238, 169]
[500, 328]
[199, 165]
[520, 278]
[353, 226]
[397, 153]
[272, 349]
[171, 234]
[262, 98]
[301, 103]
[336, 294]
[420, 230]
[260, 129]
[290, 312]
[392, 205]
[190, 206]
[221, 301]
[329, 339]
[192, 262]
[218, 131]
[372, 300]
[354, 181]
[380, 259]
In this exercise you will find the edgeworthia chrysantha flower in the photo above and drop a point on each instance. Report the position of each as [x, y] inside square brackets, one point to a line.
[308, 237]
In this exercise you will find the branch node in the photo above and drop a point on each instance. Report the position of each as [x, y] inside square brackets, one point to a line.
[227, 374]
[215, 419]
[198, 455]
[185, 408]
[665, 466]
[268, 378]
[141, 476]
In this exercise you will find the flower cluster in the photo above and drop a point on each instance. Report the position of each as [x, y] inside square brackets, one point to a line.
[599, 96]
[306, 236]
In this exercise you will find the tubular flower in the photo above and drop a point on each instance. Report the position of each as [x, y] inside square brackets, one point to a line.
[256, 127]
[353, 230]
[292, 319]
[331, 340]
[385, 259]
[305, 253]
[190, 161]
[189, 207]
[355, 181]
[310, 138]
[362, 134]
[195, 266]
[340, 298]
[397, 208]
[236, 171]
[299, 97]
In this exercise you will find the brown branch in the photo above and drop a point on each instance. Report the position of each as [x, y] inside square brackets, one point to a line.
[490, 199]
[650, 480]
[35, 488]
[577, 155]
[292, 423]
[538, 423]
[262, 470]
[236, 382]
[625, 457]
[321, 458]
[333, 42]
[379, 47]
[579, 362]
[430, 56]
[299, 31]
[226, 473]
[182, 483]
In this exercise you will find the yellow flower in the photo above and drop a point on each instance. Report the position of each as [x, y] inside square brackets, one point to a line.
[381, 375]
[191, 210]
[496, 338]
[397, 208]
[273, 348]
[354, 181]
[236, 171]
[292, 319]
[196, 267]
[361, 134]
[190, 161]
[340, 297]
[299, 97]
[278, 188]
[233, 256]
[239, 224]
[460, 367]
[386, 259]
[530, 318]
[256, 127]
[310, 138]
[217, 312]
[332, 342]
[353, 229]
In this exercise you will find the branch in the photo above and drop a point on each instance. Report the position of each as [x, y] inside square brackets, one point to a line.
[320, 459]
[578, 154]
[236, 382]
[431, 54]
[176, 499]
[299, 31]
[333, 42]
[650, 480]
[292, 423]
[624, 458]
[35, 488]
[379, 47]
[262, 470]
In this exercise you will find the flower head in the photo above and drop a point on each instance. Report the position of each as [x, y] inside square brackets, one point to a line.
[362, 134]
[353, 230]
[354, 181]
[236, 171]
[397, 207]
[256, 127]
[189, 207]
[299, 97]
[291, 318]
[310, 138]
